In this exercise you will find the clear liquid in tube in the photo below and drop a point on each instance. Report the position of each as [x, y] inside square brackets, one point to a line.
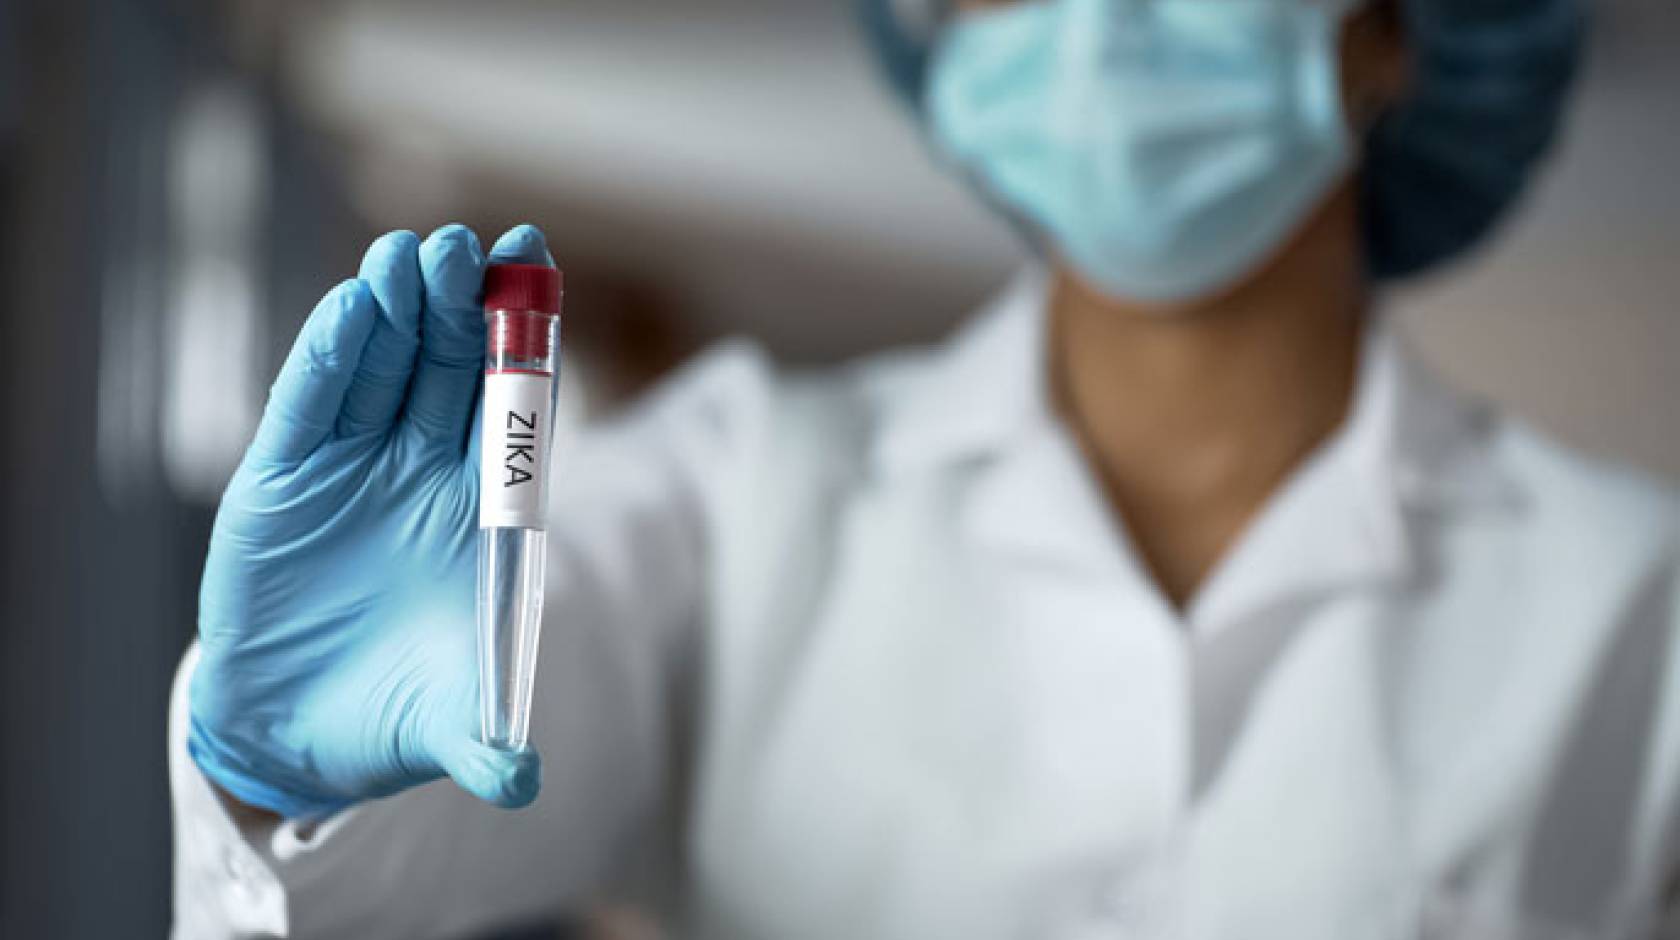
[510, 601]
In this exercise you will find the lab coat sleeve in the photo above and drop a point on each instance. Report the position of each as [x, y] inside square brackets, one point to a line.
[632, 513]
[1666, 768]
[1654, 893]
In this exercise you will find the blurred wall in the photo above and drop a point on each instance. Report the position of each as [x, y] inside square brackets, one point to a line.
[163, 231]
[94, 588]
[1574, 316]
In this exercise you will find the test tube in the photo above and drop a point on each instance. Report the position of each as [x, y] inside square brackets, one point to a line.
[522, 355]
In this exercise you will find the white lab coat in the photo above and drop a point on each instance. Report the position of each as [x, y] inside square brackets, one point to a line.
[865, 656]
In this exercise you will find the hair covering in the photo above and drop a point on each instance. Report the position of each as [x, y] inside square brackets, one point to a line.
[1442, 167]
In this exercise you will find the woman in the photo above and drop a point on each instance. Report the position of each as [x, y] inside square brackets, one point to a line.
[1169, 599]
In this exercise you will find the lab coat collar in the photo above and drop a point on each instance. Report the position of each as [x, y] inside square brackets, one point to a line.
[982, 390]
[1411, 448]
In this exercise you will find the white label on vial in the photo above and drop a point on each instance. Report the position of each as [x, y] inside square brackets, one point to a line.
[518, 420]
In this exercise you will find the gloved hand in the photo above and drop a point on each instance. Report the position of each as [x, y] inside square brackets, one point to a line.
[336, 627]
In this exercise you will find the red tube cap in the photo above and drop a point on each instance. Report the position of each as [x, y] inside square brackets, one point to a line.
[534, 287]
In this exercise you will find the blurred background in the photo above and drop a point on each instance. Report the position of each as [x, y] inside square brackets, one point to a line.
[180, 181]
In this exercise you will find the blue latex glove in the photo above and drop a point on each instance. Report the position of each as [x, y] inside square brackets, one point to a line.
[336, 615]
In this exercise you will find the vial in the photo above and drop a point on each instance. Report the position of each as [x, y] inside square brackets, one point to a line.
[522, 355]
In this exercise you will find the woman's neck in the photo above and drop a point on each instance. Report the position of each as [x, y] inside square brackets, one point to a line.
[1193, 416]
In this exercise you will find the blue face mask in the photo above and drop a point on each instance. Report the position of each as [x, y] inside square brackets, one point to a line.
[1164, 148]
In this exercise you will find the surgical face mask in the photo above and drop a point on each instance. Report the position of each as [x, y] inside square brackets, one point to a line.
[1165, 147]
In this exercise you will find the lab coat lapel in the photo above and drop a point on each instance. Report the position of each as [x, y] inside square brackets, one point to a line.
[1308, 805]
[983, 405]
[1039, 503]
[1344, 528]
[1411, 448]
[1340, 521]
[1336, 523]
